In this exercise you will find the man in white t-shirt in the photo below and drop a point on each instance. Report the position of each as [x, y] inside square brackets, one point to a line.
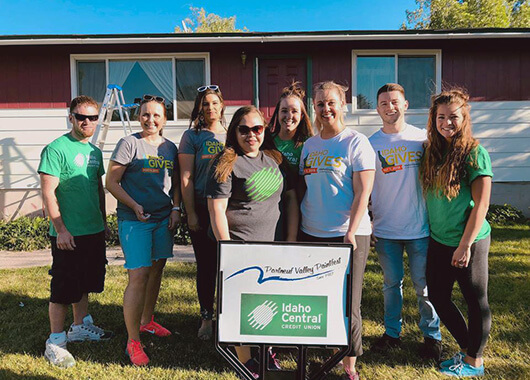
[400, 219]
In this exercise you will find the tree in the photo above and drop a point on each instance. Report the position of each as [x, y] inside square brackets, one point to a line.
[202, 22]
[455, 14]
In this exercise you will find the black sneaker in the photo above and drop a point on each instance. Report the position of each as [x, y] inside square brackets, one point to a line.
[385, 343]
[431, 349]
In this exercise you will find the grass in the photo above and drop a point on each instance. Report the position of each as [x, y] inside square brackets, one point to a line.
[24, 326]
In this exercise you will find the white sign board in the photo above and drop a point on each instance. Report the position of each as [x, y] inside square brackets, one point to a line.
[283, 293]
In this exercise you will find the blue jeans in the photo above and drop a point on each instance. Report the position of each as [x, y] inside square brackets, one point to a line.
[390, 252]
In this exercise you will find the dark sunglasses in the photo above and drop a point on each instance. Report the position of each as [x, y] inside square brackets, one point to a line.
[212, 87]
[151, 98]
[245, 130]
[81, 117]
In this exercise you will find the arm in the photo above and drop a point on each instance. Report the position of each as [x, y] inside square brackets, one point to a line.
[363, 182]
[112, 182]
[49, 183]
[102, 208]
[187, 166]
[217, 209]
[293, 214]
[480, 192]
[175, 216]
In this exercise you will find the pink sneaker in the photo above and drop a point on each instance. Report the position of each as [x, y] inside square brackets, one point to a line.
[154, 328]
[135, 352]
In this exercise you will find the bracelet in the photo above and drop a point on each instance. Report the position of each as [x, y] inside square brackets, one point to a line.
[176, 208]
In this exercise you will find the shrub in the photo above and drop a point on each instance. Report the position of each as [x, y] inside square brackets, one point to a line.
[504, 215]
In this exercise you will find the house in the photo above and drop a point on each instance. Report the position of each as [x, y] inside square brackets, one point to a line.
[40, 74]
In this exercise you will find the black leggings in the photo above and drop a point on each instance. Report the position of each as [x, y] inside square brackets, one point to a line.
[206, 256]
[360, 255]
[473, 282]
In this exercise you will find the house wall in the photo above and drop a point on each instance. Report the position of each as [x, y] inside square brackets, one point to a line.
[35, 89]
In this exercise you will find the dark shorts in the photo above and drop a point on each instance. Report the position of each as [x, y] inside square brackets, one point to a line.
[80, 271]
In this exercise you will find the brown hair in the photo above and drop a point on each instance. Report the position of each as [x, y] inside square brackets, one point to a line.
[444, 163]
[228, 156]
[304, 130]
[83, 99]
[390, 87]
[197, 121]
[330, 85]
[162, 104]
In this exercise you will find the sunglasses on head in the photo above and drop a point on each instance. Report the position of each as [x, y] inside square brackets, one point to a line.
[245, 130]
[151, 98]
[212, 87]
[81, 117]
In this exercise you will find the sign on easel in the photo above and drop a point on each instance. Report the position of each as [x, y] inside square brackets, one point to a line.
[284, 293]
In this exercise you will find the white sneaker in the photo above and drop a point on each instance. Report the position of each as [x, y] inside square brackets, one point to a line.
[87, 331]
[58, 355]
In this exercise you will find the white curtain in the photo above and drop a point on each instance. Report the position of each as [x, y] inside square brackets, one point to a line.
[159, 72]
[119, 71]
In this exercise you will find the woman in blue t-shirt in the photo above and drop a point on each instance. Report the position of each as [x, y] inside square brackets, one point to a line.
[456, 178]
[199, 144]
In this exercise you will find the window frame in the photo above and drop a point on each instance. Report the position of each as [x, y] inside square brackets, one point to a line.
[396, 53]
[74, 58]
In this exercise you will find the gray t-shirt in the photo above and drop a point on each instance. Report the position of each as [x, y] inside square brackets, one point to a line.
[204, 145]
[254, 189]
[147, 178]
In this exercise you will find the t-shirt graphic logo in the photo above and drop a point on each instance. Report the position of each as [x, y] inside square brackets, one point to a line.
[385, 166]
[262, 315]
[79, 160]
[261, 185]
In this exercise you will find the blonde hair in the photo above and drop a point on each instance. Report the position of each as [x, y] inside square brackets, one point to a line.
[444, 163]
[330, 85]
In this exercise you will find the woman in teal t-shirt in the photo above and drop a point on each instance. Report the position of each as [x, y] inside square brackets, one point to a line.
[456, 177]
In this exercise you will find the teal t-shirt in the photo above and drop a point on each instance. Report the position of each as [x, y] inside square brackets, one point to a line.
[78, 166]
[448, 219]
[290, 152]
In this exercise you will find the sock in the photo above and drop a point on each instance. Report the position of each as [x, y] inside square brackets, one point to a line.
[58, 338]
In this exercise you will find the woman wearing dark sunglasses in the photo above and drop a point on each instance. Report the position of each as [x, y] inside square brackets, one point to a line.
[244, 188]
[199, 144]
[143, 177]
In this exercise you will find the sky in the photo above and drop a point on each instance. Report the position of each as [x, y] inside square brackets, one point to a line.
[161, 16]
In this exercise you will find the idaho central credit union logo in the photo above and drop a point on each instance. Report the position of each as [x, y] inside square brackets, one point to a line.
[283, 315]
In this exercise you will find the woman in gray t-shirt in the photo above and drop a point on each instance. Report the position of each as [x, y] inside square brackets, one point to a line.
[199, 144]
[244, 189]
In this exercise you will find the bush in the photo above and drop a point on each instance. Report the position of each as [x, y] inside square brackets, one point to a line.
[504, 215]
[30, 234]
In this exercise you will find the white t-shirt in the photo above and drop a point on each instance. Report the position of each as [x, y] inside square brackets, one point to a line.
[327, 166]
[398, 206]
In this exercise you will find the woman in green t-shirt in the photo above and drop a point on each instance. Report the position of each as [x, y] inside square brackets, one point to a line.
[456, 178]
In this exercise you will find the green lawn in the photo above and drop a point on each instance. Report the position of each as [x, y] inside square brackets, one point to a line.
[24, 326]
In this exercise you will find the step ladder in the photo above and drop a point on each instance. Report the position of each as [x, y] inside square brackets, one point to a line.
[113, 100]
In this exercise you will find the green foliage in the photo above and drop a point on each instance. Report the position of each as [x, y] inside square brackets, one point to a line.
[30, 234]
[455, 14]
[504, 215]
[202, 22]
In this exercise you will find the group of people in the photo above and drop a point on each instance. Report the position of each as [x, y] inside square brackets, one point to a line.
[428, 189]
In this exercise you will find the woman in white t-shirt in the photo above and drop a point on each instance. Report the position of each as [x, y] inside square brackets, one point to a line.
[338, 167]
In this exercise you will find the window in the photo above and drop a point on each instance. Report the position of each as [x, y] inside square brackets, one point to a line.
[417, 71]
[173, 77]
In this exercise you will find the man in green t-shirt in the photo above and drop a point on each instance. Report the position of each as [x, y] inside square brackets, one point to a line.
[70, 171]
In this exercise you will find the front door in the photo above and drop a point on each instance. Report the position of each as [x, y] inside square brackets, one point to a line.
[274, 75]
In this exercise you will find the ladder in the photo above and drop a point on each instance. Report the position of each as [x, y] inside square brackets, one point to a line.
[113, 100]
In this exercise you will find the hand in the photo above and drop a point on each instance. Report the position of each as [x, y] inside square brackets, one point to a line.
[193, 221]
[461, 257]
[350, 238]
[373, 240]
[65, 241]
[175, 218]
[140, 214]
[107, 232]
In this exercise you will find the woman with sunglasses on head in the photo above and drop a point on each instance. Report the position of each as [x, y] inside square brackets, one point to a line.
[338, 166]
[456, 176]
[244, 188]
[199, 144]
[143, 177]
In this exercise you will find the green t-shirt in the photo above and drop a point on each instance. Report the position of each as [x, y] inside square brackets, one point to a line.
[448, 219]
[78, 166]
[290, 152]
